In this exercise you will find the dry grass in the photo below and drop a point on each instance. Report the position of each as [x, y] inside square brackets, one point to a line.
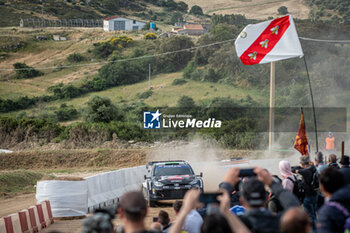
[254, 9]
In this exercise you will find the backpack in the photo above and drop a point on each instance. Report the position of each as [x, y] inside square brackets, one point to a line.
[299, 188]
[344, 211]
[315, 183]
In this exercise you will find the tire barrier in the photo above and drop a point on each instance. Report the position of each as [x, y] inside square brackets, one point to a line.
[30, 220]
[77, 198]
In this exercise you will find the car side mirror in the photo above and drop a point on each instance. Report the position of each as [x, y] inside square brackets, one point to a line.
[201, 174]
[145, 177]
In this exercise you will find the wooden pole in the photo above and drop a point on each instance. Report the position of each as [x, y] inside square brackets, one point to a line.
[272, 105]
[342, 149]
[149, 76]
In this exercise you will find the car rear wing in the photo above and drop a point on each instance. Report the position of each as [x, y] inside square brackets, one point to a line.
[149, 164]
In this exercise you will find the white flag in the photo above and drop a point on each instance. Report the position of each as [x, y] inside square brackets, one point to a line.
[268, 41]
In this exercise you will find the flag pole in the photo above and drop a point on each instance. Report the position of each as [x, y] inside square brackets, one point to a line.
[272, 104]
[313, 104]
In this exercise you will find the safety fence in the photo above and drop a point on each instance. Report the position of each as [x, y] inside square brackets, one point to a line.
[77, 198]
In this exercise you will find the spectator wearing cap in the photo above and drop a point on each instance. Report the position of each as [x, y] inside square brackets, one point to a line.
[310, 201]
[295, 220]
[331, 216]
[332, 161]
[132, 210]
[193, 221]
[345, 168]
[320, 166]
[254, 198]
[164, 220]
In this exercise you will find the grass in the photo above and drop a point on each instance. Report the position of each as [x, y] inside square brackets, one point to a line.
[245, 6]
[164, 93]
[18, 182]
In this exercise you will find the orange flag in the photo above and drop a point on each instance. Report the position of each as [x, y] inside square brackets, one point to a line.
[301, 143]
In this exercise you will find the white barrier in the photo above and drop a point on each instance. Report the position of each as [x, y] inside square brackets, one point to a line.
[67, 198]
[105, 189]
[77, 198]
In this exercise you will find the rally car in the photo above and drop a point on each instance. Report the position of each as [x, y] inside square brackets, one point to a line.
[169, 180]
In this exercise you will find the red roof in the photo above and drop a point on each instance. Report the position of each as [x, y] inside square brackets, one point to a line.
[112, 17]
[193, 27]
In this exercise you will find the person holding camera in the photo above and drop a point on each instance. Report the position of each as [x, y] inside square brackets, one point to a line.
[254, 198]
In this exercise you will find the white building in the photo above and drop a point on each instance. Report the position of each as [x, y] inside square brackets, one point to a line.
[116, 23]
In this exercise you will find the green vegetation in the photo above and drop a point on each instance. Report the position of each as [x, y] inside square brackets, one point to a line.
[101, 109]
[196, 10]
[75, 58]
[18, 182]
[330, 11]
[23, 71]
[283, 10]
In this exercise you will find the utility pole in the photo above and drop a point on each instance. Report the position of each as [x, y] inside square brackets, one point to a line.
[149, 76]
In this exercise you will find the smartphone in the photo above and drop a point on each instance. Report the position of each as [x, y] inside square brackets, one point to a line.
[155, 219]
[246, 172]
[207, 198]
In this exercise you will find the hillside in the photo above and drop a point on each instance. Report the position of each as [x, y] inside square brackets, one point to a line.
[253, 9]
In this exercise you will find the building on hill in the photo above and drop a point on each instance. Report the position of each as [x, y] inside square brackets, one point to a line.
[190, 29]
[116, 23]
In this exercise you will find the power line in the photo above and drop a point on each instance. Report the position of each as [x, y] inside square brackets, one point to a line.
[325, 41]
[160, 54]
[126, 59]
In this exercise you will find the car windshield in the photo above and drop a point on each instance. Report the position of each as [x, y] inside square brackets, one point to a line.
[171, 170]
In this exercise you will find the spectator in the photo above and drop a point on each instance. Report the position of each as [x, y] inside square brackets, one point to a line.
[288, 177]
[332, 161]
[274, 204]
[156, 227]
[331, 216]
[193, 221]
[164, 220]
[100, 222]
[223, 222]
[320, 166]
[132, 210]
[295, 220]
[310, 201]
[254, 197]
[345, 169]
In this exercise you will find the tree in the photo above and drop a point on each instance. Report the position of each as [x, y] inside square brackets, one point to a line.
[186, 102]
[283, 10]
[182, 6]
[176, 17]
[196, 10]
[101, 109]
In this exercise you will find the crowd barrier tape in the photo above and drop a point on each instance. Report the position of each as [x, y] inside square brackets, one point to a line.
[30, 220]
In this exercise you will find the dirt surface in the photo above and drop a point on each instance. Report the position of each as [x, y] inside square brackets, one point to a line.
[252, 9]
[15, 204]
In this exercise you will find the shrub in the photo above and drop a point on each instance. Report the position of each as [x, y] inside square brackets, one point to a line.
[23, 71]
[283, 10]
[179, 81]
[101, 109]
[150, 36]
[65, 113]
[103, 50]
[75, 58]
[196, 10]
[145, 95]
[61, 91]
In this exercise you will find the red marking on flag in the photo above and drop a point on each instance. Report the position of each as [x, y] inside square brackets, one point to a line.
[8, 224]
[23, 220]
[283, 24]
[41, 215]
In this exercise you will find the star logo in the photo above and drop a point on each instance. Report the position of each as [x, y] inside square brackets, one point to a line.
[151, 120]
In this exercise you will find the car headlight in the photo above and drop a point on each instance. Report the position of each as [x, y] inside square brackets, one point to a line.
[157, 184]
